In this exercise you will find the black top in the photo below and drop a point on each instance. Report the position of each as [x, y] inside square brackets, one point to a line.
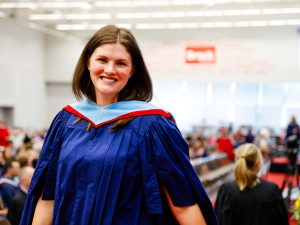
[261, 205]
[16, 208]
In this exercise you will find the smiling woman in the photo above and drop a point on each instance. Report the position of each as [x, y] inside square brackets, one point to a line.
[110, 67]
[132, 167]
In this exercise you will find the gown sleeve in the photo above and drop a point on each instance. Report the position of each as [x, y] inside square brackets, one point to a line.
[43, 180]
[165, 160]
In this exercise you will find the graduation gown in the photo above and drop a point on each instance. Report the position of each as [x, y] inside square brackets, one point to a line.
[114, 177]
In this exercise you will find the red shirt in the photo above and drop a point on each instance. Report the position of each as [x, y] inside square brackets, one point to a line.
[225, 145]
[4, 136]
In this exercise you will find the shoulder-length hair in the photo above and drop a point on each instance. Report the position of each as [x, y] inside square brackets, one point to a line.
[138, 87]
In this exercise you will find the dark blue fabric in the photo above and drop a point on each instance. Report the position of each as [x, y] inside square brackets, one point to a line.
[106, 177]
[7, 192]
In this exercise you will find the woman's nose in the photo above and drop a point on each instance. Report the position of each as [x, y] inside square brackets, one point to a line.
[110, 68]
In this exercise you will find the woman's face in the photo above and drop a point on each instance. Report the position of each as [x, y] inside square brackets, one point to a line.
[110, 67]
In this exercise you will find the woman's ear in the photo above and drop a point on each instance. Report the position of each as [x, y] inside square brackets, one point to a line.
[88, 64]
[132, 72]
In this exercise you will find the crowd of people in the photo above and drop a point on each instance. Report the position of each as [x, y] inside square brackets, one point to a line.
[208, 140]
[19, 152]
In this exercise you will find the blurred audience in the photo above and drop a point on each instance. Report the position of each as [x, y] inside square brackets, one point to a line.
[17, 205]
[8, 184]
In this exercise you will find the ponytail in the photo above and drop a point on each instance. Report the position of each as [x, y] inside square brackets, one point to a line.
[247, 164]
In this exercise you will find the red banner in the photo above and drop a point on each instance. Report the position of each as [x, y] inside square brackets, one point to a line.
[200, 54]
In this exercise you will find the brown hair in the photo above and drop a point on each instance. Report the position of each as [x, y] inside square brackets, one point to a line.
[139, 86]
[247, 163]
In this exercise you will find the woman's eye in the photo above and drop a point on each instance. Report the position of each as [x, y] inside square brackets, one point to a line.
[121, 63]
[102, 60]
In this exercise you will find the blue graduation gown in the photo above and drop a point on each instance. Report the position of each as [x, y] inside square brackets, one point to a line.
[114, 177]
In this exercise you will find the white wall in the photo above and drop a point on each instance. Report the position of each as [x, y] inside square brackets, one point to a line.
[60, 58]
[36, 70]
[22, 83]
[245, 54]
[255, 55]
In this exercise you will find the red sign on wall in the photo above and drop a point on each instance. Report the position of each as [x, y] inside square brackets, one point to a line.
[200, 54]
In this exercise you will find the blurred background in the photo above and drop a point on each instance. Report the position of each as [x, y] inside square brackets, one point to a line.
[224, 68]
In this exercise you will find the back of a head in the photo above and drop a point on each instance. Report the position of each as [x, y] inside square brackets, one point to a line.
[293, 120]
[25, 176]
[247, 164]
[11, 166]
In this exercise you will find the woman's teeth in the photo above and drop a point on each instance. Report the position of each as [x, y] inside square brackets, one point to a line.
[107, 79]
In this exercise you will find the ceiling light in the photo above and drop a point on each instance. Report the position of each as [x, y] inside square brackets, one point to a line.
[158, 3]
[46, 17]
[140, 15]
[195, 13]
[34, 5]
[241, 24]
[182, 25]
[277, 22]
[71, 27]
[234, 12]
[131, 3]
[175, 25]
[290, 10]
[213, 13]
[177, 14]
[11, 5]
[147, 3]
[159, 14]
[67, 4]
[251, 12]
[207, 25]
[259, 23]
[86, 16]
[87, 26]
[153, 3]
[97, 16]
[217, 24]
[271, 11]
[191, 25]
[143, 26]
[102, 4]
[224, 24]
[180, 2]
[293, 22]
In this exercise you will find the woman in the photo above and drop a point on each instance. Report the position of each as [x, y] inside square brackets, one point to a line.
[113, 158]
[250, 200]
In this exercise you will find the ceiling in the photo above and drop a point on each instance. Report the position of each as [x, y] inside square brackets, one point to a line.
[69, 18]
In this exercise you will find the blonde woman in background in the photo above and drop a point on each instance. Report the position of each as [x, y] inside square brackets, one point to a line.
[250, 200]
